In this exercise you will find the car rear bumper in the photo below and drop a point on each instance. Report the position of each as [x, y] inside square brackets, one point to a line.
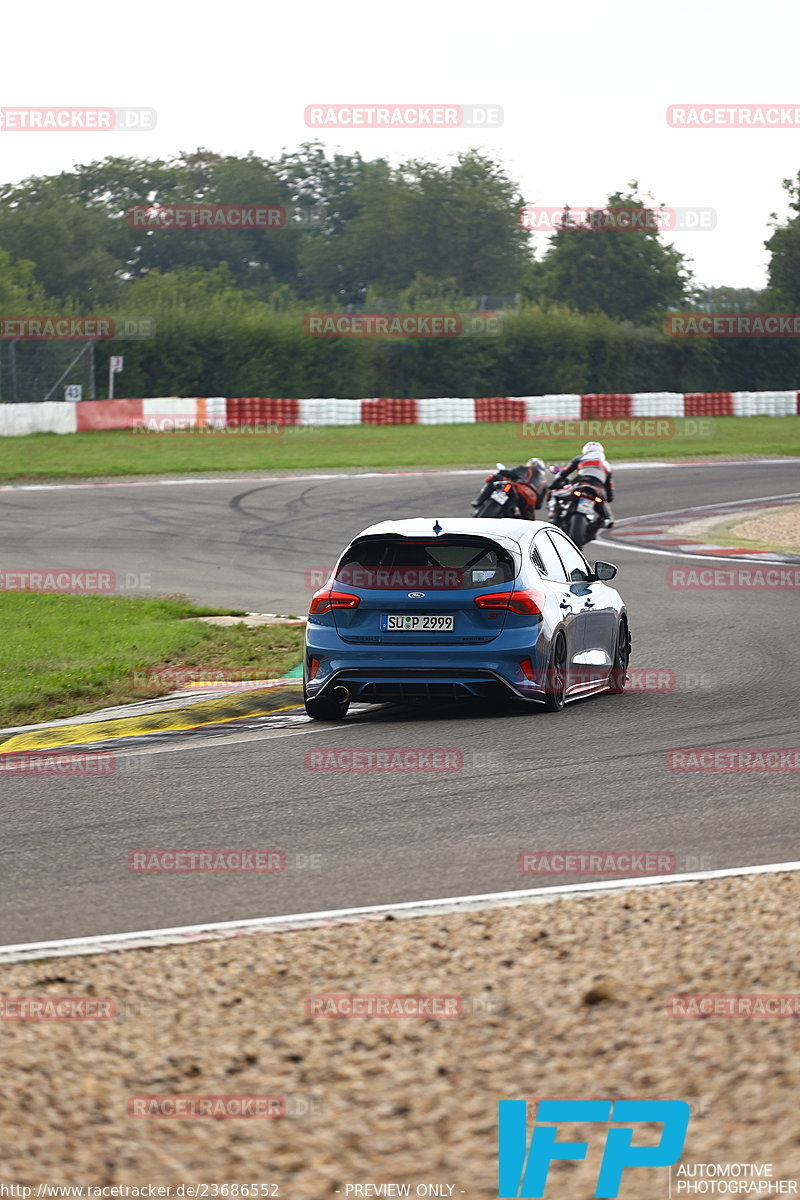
[417, 672]
[381, 686]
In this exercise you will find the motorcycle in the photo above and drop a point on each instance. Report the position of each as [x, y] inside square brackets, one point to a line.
[578, 510]
[503, 499]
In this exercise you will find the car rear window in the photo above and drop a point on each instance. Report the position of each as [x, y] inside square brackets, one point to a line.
[435, 564]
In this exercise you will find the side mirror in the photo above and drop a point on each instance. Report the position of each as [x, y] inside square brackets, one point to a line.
[604, 570]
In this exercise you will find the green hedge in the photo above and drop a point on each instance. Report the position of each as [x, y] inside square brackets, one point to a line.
[537, 351]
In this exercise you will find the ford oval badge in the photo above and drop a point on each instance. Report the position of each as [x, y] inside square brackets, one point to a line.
[416, 595]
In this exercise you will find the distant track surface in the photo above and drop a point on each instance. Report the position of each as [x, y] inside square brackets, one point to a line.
[593, 777]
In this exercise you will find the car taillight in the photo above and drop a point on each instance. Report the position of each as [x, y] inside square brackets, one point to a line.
[527, 669]
[326, 599]
[524, 602]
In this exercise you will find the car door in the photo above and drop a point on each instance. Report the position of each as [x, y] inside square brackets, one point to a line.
[599, 618]
[570, 604]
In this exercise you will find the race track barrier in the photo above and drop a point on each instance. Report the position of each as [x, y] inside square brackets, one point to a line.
[165, 413]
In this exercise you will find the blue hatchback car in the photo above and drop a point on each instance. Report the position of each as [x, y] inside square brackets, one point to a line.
[428, 610]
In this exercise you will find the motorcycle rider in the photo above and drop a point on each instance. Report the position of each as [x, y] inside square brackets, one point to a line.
[592, 467]
[530, 489]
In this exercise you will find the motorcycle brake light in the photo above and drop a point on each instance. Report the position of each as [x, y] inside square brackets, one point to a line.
[524, 602]
[507, 487]
[598, 500]
[575, 492]
[325, 599]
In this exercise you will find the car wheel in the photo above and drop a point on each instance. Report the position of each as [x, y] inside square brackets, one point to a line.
[579, 530]
[556, 682]
[622, 657]
[328, 708]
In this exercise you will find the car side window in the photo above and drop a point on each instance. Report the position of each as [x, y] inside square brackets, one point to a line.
[577, 568]
[536, 559]
[550, 560]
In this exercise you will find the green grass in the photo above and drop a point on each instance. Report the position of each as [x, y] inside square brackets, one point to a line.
[121, 452]
[64, 655]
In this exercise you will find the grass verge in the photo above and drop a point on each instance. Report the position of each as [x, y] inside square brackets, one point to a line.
[122, 452]
[64, 655]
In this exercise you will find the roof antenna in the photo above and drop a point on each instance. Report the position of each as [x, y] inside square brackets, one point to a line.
[437, 529]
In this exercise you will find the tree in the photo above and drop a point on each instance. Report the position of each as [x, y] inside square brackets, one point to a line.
[729, 299]
[628, 273]
[20, 294]
[784, 248]
[457, 223]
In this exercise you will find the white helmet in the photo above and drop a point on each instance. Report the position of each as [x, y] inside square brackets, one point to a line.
[535, 462]
[594, 448]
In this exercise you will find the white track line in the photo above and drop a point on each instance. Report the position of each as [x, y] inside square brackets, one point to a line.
[184, 480]
[782, 498]
[104, 943]
[673, 512]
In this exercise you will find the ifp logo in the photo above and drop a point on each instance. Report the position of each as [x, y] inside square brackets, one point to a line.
[523, 1171]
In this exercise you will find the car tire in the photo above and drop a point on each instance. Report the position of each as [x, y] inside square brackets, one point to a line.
[579, 530]
[556, 682]
[622, 657]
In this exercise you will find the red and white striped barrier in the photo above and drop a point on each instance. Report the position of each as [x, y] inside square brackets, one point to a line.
[177, 412]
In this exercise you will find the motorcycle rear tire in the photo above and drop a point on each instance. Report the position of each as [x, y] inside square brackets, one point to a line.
[579, 530]
[490, 508]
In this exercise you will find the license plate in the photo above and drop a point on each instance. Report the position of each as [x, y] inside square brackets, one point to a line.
[416, 623]
[500, 497]
[587, 506]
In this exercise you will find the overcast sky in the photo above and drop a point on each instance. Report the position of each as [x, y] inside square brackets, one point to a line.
[584, 86]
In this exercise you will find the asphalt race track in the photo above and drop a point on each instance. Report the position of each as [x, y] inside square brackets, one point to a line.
[593, 777]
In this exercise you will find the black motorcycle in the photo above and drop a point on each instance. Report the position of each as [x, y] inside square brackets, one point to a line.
[577, 508]
[499, 496]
